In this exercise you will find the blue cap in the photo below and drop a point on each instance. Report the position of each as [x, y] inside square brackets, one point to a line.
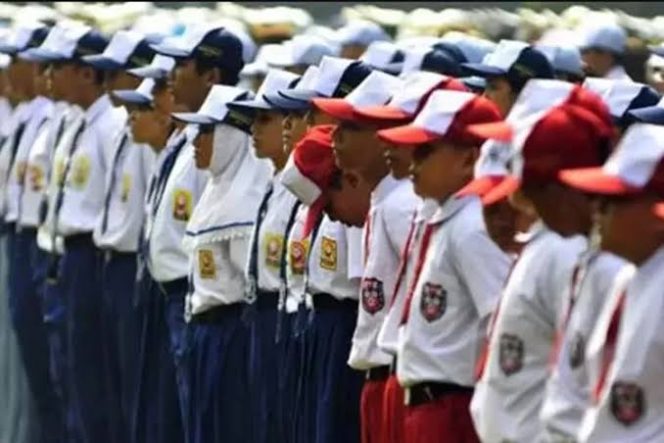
[453, 50]
[67, 42]
[126, 50]
[206, 42]
[564, 59]
[24, 36]
[605, 36]
[514, 60]
[139, 96]
[474, 49]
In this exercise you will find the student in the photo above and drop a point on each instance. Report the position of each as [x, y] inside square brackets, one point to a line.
[218, 238]
[449, 300]
[602, 49]
[266, 253]
[515, 366]
[626, 393]
[117, 229]
[507, 69]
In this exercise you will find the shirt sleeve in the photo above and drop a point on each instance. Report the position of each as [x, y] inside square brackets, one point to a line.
[354, 251]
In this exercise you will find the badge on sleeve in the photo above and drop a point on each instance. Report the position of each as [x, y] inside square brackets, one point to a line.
[80, 172]
[206, 267]
[511, 354]
[182, 205]
[373, 297]
[627, 402]
[328, 254]
[433, 303]
[126, 187]
[298, 256]
[36, 178]
[273, 244]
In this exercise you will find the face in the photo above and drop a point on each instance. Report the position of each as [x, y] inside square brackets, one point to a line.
[266, 132]
[352, 51]
[59, 80]
[356, 147]
[116, 80]
[152, 125]
[189, 87]
[20, 78]
[315, 117]
[500, 219]
[398, 159]
[41, 82]
[563, 209]
[350, 203]
[440, 169]
[499, 91]
[294, 127]
[597, 63]
[203, 146]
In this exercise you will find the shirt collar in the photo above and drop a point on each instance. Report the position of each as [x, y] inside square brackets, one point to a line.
[426, 209]
[100, 106]
[384, 188]
[654, 263]
[535, 230]
[451, 207]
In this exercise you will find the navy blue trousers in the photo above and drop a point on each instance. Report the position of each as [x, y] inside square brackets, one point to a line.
[27, 272]
[156, 414]
[289, 348]
[118, 285]
[332, 389]
[85, 373]
[218, 354]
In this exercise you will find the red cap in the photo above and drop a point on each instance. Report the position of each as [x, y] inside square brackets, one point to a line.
[481, 185]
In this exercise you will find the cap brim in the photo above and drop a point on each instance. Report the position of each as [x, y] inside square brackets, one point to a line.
[501, 191]
[149, 72]
[41, 55]
[285, 104]
[194, 118]
[474, 82]
[384, 113]
[8, 49]
[102, 63]
[501, 131]
[336, 107]
[651, 114]
[407, 135]
[171, 51]
[482, 70]
[658, 209]
[131, 96]
[481, 186]
[303, 95]
[393, 68]
[596, 181]
[252, 104]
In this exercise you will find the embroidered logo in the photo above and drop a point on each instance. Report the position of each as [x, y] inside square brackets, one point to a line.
[433, 303]
[206, 266]
[80, 172]
[126, 187]
[182, 205]
[328, 254]
[373, 297]
[298, 256]
[273, 244]
[627, 402]
[35, 178]
[511, 354]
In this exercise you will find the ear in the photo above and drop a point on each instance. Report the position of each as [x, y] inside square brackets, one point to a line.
[213, 76]
[352, 178]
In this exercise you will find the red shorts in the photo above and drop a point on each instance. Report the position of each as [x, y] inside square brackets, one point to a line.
[444, 420]
[394, 411]
[371, 408]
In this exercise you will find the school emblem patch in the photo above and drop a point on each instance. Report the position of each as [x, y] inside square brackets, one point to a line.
[80, 172]
[206, 267]
[433, 303]
[273, 244]
[298, 256]
[328, 254]
[511, 354]
[373, 296]
[126, 187]
[577, 350]
[182, 205]
[36, 178]
[627, 402]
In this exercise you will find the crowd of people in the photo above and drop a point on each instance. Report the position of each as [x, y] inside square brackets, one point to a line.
[341, 237]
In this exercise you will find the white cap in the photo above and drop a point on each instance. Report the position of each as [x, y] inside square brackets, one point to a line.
[302, 50]
[141, 95]
[20, 36]
[384, 55]
[331, 69]
[637, 155]
[215, 107]
[362, 33]
[62, 40]
[118, 51]
[275, 80]
[493, 160]
[618, 95]
[264, 57]
[441, 109]
[160, 67]
[376, 89]
[607, 36]
[414, 87]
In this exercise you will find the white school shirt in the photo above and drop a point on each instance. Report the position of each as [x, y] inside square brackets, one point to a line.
[271, 238]
[83, 197]
[296, 261]
[631, 404]
[19, 117]
[129, 173]
[388, 335]
[456, 291]
[5, 116]
[73, 118]
[335, 262]
[568, 389]
[393, 204]
[618, 73]
[168, 259]
[39, 166]
[40, 109]
[508, 396]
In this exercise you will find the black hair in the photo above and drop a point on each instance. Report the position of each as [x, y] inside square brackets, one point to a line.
[227, 77]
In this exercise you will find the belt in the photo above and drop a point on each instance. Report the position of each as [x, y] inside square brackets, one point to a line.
[218, 314]
[393, 366]
[329, 302]
[109, 254]
[27, 230]
[267, 300]
[72, 241]
[430, 391]
[379, 373]
[174, 287]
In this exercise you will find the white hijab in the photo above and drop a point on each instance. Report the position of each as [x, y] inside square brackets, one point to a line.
[229, 204]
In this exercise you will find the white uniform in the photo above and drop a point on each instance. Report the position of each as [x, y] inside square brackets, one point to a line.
[15, 128]
[393, 204]
[40, 110]
[119, 223]
[509, 394]
[296, 259]
[618, 73]
[630, 404]
[568, 389]
[388, 336]
[453, 297]
[87, 163]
